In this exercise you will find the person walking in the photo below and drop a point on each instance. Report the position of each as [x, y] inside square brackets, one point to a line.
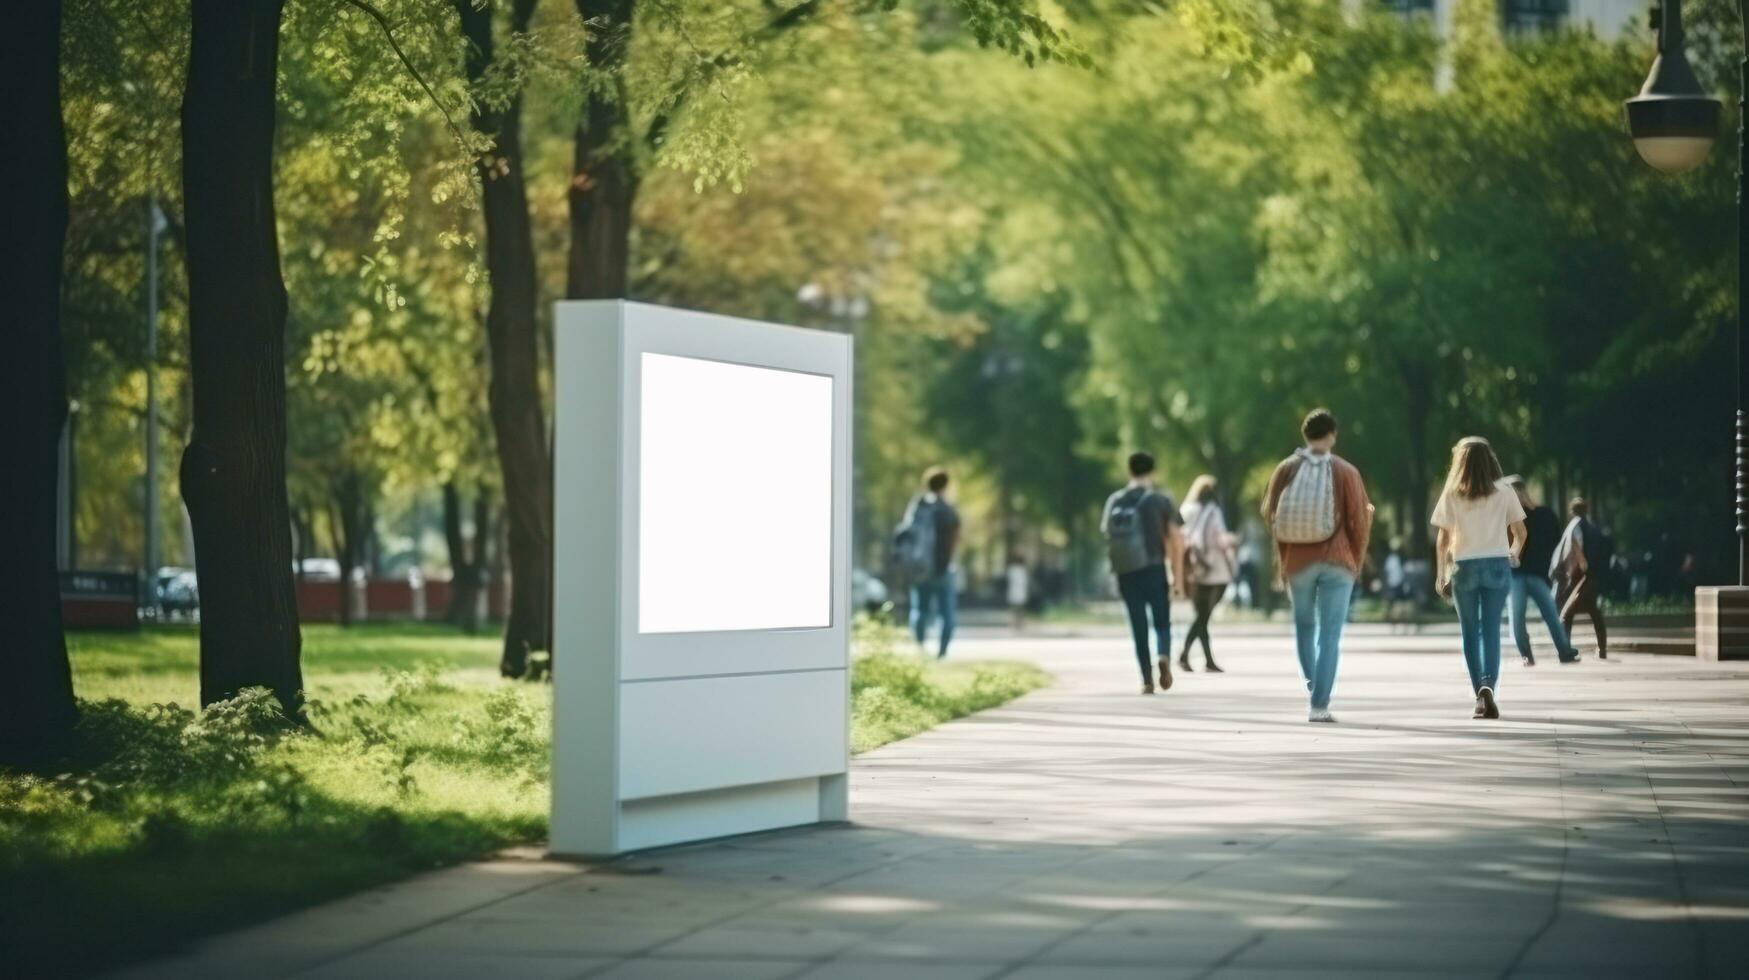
[1394, 584]
[1247, 581]
[1209, 565]
[1317, 508]
[1481, 535]
[924, 545]
[1530, 579]
[1582, 562]
[1018, 589]
[1143, 532]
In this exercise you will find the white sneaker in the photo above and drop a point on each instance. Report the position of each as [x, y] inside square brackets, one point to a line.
[1323, 715]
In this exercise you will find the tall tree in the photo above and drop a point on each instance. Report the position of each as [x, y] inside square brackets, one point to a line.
[233, 471]
[610, 146]
[468, 558]
[1002, 397]
[604, 179]
[512, 339]
[36, 686]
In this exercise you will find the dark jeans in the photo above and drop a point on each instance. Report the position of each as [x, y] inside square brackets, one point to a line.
[1142, 590]
[1582, 598]
[1204, 598]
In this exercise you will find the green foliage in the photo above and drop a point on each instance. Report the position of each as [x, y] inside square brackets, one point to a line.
[246, 816]
[1253, 208]
[1190, 223]
[169, 823]
[895, 694]
[511, 734]
[405, 768]
[1003, 395]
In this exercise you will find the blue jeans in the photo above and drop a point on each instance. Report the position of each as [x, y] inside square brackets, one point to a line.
[1320, 596]
[1480, 586]
[1533, 587]
[1143, 590]
[931, 597]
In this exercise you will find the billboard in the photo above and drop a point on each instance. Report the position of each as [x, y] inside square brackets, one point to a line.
[701, 576]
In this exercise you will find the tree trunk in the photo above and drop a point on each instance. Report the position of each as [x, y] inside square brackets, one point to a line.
[337, 544]
[499, 571]
[512, 340]
[467, 562]
[456, 546]
[350, 528]
[71, 487]
[1005, 513]
[36, 686]
[1224, 469]
[300, 543]
[603, 181]
[1417, 406]
[233, 472]
[370, 542]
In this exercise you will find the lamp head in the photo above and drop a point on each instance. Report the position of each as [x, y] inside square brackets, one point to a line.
[1673, 120]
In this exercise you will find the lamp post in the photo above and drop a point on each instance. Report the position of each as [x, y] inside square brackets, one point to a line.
[154, 227]
[1674, 122]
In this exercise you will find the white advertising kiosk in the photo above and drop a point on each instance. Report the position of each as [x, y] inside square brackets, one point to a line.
[701, 582]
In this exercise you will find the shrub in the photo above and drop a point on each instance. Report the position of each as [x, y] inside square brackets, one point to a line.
[510, 734]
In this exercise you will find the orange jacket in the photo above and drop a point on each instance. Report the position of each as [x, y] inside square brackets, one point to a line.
[1347, 547]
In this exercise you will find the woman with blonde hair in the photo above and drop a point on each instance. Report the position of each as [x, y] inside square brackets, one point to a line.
[1208, 564]
[1481, 535]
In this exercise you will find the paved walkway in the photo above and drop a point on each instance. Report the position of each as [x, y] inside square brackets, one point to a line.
[1600, 828]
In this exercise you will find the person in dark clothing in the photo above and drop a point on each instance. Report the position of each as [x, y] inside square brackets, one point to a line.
[1582, 562]
[1144, 530]
[936, 593]
[1530, 580]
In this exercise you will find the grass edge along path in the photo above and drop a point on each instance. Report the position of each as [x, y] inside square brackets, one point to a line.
[171, 824]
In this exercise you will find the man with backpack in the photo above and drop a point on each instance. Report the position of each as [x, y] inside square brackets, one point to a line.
[1317, 508]
[923, 548]
[1143, 530]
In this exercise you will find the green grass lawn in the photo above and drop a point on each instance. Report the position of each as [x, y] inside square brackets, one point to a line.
[170, 824]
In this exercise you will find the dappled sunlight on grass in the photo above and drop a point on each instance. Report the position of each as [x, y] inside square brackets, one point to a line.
[895, 693]
[169, 824]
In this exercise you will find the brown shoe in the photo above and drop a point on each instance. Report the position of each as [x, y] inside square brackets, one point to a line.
[1165, 673]
[1148, 688]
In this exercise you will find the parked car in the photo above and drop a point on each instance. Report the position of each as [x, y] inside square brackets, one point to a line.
[176, 591]
[868, 593]
[318, 570]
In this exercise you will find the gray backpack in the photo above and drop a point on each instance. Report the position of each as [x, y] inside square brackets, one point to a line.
[1305, 510]
[914, 541]
[1125, 539]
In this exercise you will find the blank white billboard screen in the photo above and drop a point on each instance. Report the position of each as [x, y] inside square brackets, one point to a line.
[735, 497]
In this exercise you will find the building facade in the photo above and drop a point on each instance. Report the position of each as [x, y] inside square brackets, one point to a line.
[1608, 19]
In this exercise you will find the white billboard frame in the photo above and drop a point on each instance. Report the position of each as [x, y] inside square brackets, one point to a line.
[664, 738]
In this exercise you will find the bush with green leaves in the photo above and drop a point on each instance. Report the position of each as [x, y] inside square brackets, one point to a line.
[894, 695]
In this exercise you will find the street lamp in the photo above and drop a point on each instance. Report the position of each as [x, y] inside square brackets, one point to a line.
[1674, 122]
